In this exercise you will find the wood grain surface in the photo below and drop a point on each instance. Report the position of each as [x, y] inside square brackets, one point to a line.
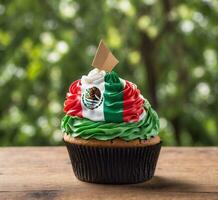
[45, 173]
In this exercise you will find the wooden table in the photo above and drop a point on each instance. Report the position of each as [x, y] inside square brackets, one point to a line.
[45, 173]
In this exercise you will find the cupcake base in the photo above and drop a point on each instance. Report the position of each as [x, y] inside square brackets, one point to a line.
[113, 165]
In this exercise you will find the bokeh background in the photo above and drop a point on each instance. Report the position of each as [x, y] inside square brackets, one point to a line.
[168, 48]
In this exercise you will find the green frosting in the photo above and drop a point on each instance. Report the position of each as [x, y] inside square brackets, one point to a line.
[87, 129]
[113, 98]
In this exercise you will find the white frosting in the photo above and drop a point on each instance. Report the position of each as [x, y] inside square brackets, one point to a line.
[95, 76]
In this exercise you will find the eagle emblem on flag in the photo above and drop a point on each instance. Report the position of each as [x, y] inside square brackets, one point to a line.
[92, 98]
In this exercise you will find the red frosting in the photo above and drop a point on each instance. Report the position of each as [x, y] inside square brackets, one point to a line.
[133, 103]
[72, 105]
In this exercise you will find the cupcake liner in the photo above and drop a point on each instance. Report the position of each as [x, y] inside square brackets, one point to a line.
[113, 165]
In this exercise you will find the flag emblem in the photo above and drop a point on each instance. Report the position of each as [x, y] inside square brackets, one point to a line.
[92, 98]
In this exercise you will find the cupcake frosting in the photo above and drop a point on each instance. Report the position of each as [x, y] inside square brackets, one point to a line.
[102, 96]
[103, 106]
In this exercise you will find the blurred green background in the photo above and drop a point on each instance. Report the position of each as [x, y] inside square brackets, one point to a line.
[168, 48]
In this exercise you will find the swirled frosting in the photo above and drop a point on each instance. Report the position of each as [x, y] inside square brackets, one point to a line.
[102, 96]
[87, 129]
[103, 106]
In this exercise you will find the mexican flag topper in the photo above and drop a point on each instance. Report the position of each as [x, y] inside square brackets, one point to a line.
[104, 59]
[106, 98]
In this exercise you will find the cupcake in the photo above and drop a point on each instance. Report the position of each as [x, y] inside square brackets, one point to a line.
[110, 129]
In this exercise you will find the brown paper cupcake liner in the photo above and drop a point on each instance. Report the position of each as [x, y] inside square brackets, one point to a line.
[115, 165]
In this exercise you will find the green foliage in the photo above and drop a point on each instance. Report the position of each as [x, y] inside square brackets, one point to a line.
[168, 48]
